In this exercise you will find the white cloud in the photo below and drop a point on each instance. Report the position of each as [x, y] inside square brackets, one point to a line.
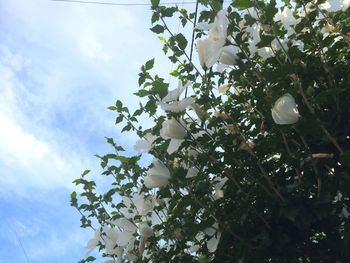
[28, 162]
[28, 159]
[61, 65]
[93, 49]
[40, 241]
[57, 245]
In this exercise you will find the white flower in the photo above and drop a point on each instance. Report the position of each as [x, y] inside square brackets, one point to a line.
[197, 109]
[145, 230]
[177, 106]
[285, 110]
[203, 26]
[125, 224]
[138, 204]
[173, 96]
[265, 52]
[116, 240]
[124, 237]
[218, 29]
[287, 19]
[344, 212]
[209, 51]
[346, 4]
[192, 172]
[176, 93]
[212, 243]
[174, 145]
[192, 247]
[223, 88]
[299, 44]
[93, 243]
[172, 129]
[252, 12]
[228, 55]
[254, 37]
[214, 236]
[119, 253]
[110, 238]
[218, 192]
[335, 5]
[143, 204]
[158, 175]
[145, 145]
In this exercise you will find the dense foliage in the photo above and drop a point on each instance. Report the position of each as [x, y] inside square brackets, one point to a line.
[251, 150]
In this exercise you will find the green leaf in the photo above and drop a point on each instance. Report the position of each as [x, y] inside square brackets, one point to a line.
[123, 159]
[110, 140]
[168, 12]
[243, 4]
[142, 93]
[151, 107]
[157, 29]
[216, 6]
[271, 10]
[160, 88]
[142, 79]
[149, 64]
[155, 3]
[127, 128]
[155, 17]
[113, 108]
[119, 119]
[265, 41]
[137, 112]
[119, 105]
[181, 41]
[119, 148]
[90, 259]
[345, 158]
[85, 173]
[73, 199]
[78, 181]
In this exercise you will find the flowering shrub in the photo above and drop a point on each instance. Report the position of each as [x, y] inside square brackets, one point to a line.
[251, 150]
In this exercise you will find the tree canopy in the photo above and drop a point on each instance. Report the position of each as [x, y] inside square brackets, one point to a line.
[251, 149]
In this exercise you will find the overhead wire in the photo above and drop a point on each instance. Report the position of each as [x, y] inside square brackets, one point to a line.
[122, 4]
[125, 4]
[13, 230]
[22, 247]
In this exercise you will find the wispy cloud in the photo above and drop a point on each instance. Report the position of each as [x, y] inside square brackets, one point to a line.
[28, 162]
[61, 65]
[48, 235]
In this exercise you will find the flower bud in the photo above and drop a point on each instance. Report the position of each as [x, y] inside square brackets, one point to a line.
[285, 110]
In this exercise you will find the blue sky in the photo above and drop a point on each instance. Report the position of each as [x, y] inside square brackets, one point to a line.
[61, 65]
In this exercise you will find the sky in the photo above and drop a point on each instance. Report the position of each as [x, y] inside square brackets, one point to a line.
[61, 66]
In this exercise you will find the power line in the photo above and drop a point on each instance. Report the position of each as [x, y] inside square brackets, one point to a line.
[20, 243]
[22, 247]
[120, 4]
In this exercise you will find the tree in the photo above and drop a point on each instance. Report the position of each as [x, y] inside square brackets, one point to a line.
[251, 150]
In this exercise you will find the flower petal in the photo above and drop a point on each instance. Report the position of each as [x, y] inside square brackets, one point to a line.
[192, 172]
[212, 243]
[174, 145]
[285, 110]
